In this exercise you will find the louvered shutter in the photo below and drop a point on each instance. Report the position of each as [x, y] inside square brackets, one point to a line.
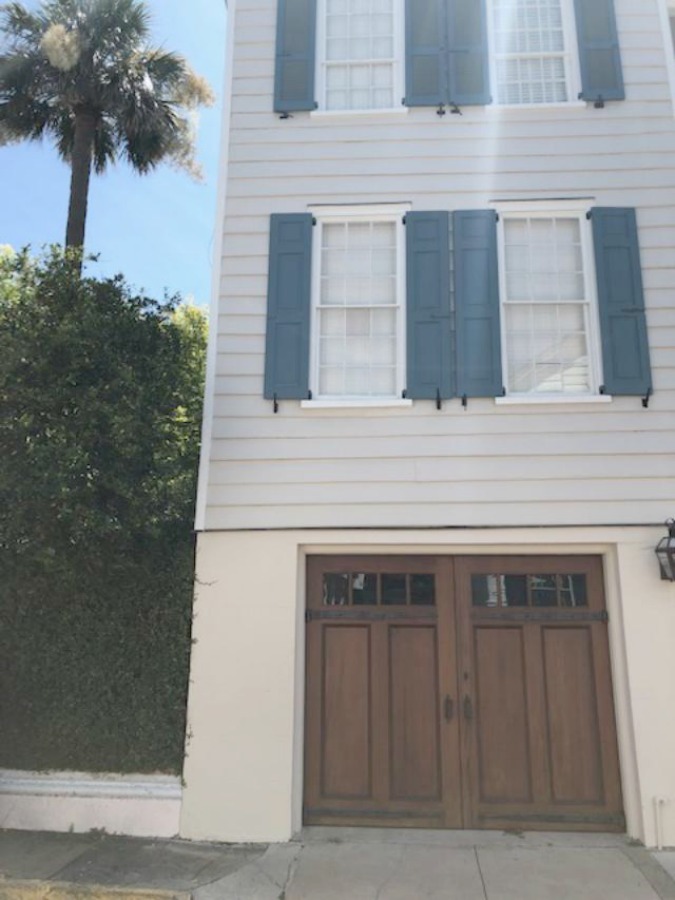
[288, 307]
[426, 74]
[468, 53]
[599, 55]
[295, 56]
[428, 304]
[625, 349]
[479, 366]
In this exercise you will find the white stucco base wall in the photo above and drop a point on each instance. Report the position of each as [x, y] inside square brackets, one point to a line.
[139, 805]
[245, 736]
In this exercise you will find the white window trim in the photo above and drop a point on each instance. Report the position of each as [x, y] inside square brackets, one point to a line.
[398, 66]
[554, 209]
[571, 62]
[666, 10]
[339, 215]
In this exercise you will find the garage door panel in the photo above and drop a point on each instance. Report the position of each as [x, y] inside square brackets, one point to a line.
[572, 712]
[346, 732]
[413, 709]
[504, 768]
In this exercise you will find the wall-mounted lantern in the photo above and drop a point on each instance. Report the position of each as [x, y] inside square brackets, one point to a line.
[665, 552]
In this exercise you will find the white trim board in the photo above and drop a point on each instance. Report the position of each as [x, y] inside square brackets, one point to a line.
[138, 805]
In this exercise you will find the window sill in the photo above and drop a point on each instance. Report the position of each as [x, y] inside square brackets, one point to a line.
[551, 399]
[358, 113]
[354, 404]
[497, 108]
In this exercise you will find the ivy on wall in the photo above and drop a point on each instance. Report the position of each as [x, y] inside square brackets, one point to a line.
[100, 410]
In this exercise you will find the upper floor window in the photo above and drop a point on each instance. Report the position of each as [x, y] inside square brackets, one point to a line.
[531, 57]
[358, 48]
[548, 304]
[357, 320]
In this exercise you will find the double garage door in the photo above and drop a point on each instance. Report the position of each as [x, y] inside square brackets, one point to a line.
[465, 692]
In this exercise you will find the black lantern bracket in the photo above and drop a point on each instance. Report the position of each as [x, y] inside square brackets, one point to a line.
[665, 553]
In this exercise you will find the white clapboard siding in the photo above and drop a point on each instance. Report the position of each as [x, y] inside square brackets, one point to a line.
[568, 464]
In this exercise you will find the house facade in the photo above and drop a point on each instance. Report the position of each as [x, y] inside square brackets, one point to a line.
[439, 442]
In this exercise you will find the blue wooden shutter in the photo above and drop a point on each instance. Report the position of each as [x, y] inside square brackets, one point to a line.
[599, 55]
[295, 59]
[428, 304]
[426, 74]
[468, 53]
[288, 307]
[625, 350]
[479, 358]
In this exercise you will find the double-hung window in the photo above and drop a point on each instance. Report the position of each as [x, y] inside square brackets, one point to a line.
[548, 306]
[357, 329]
[532, 58]
[358, 54]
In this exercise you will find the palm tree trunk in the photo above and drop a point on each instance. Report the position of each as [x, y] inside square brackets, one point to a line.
[83, 148]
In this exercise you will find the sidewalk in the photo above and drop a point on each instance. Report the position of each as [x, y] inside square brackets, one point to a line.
[331, 864]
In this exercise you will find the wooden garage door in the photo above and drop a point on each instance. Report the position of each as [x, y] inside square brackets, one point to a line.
[470, 692]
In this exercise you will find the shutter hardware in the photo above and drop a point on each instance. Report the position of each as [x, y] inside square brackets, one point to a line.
[439, 404]
[465, 402]
[285, 115]
[645, 399]
[598, 103]
[454, 109]
[275, 404]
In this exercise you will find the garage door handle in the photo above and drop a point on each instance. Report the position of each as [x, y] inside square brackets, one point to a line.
[468, 708]
[448, 708]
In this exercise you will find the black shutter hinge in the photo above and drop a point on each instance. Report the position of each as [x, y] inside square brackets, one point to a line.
[404, 220]
[285, 115]
[404, 393]
[439, 402]
[599, 102]
[465, 401]
[275, 404]
[645, 399]
[602, 389]
[503, 391]
[313, 221]
[589, 214]
[441, 110]
[309, 395]
[454, 109]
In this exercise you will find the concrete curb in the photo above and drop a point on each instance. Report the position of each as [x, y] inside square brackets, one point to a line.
[52, 890]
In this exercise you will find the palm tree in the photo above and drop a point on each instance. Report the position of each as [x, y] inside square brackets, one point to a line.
[82, 72]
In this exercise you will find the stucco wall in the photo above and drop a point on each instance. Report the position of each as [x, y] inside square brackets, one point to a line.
[244, 766]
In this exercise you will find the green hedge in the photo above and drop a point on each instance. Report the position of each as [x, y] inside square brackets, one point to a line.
[100, 406]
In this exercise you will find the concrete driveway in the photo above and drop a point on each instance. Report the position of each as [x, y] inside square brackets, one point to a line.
[384, 864]
[335, 864]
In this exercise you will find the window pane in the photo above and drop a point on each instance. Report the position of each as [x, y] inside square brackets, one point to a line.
[573, 590]
[422, 590]
[364, 590]
[515, 590]
[335, 589]
[393, 590]
[485, 590]
[544, 590]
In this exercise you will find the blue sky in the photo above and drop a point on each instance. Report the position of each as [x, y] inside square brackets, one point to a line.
[157, 229]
